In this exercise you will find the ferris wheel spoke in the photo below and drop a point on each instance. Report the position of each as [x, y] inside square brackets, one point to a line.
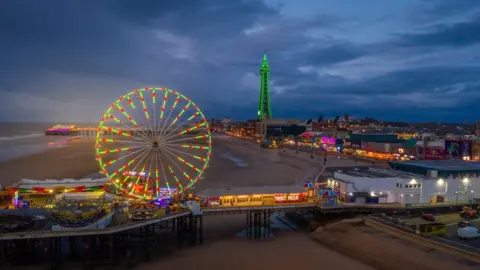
[184, 161]
[144, 105]
[202, 159]
[117, 150]
[131, 134]
[131, 103]
[187, 146]
[164, 116]
[154, 100]
[147, 116]
[165, 175]
[124, 142]
[115, 160]
[143, 154]
[164, 126]
[185, 131]
[175, 119]
[124, 112]
[143, 170]
[180, 186]
[171, 133]
[175, 160]
[120, 132]
[197, 137]
[157, 178]
[149, 172]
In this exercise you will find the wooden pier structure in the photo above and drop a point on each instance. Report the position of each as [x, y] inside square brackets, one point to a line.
[109, 245]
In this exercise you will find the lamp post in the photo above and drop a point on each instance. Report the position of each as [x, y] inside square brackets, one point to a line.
[465, 181]
[441, 182]
[421, 191]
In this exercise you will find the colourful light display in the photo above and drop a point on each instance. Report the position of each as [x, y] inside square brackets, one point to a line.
[147, 150]
[329, 140]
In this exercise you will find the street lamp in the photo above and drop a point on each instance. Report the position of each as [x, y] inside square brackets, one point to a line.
[413, 182]
[465, 184]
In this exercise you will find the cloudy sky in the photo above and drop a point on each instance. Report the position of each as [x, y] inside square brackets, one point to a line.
[414, 60]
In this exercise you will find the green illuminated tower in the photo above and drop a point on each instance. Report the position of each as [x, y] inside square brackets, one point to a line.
[264, 108]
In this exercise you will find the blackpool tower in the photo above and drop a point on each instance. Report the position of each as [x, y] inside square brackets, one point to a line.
[264, 108]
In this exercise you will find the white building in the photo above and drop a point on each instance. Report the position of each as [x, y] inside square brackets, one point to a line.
[374, 185]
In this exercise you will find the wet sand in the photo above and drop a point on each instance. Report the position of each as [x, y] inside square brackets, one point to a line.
[74, 160]
[385, 250]
[289, 250]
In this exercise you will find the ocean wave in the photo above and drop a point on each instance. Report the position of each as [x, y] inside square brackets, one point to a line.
[20, 137]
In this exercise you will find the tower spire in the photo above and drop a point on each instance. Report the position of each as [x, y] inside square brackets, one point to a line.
[264, 108]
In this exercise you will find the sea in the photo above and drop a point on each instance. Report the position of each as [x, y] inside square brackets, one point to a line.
[22, 139]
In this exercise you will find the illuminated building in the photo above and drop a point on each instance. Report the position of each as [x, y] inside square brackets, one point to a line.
[264, 108]
[408, 182]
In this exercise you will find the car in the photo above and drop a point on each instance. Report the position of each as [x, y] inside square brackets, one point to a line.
[463, 224]
[468, 233]
[428, 217]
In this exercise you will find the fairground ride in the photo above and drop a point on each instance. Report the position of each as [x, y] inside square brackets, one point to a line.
[153, 142]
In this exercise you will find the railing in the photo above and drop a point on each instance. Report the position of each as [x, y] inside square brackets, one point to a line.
[397, 205]
[438, 240]
[456, 203]
[108, 230]
[227, 209]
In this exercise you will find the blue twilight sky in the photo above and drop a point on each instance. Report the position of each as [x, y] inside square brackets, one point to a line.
[412, 60]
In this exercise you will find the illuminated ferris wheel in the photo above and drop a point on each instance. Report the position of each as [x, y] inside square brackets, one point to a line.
[153, 142]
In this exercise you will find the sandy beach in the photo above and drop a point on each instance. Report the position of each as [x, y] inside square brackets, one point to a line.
[366, 244]
[75, 160]
[234, 162]
[289, 250]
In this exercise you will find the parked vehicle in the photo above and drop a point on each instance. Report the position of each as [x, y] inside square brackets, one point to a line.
[468, 233]
[463, 224]
[428, 217]
[468, 213]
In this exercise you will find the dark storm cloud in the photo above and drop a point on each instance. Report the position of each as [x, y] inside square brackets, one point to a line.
[455, 34]
[83, 54]
[197, 18]
[428, 10]
[336, 53]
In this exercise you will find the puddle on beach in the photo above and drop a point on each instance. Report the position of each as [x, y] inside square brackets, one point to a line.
[238, 162]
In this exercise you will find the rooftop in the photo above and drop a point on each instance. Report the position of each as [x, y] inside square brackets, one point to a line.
[371, 172]
[441, 165]
[215, 192]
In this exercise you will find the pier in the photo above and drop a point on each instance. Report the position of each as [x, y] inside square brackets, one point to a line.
[106, 246]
